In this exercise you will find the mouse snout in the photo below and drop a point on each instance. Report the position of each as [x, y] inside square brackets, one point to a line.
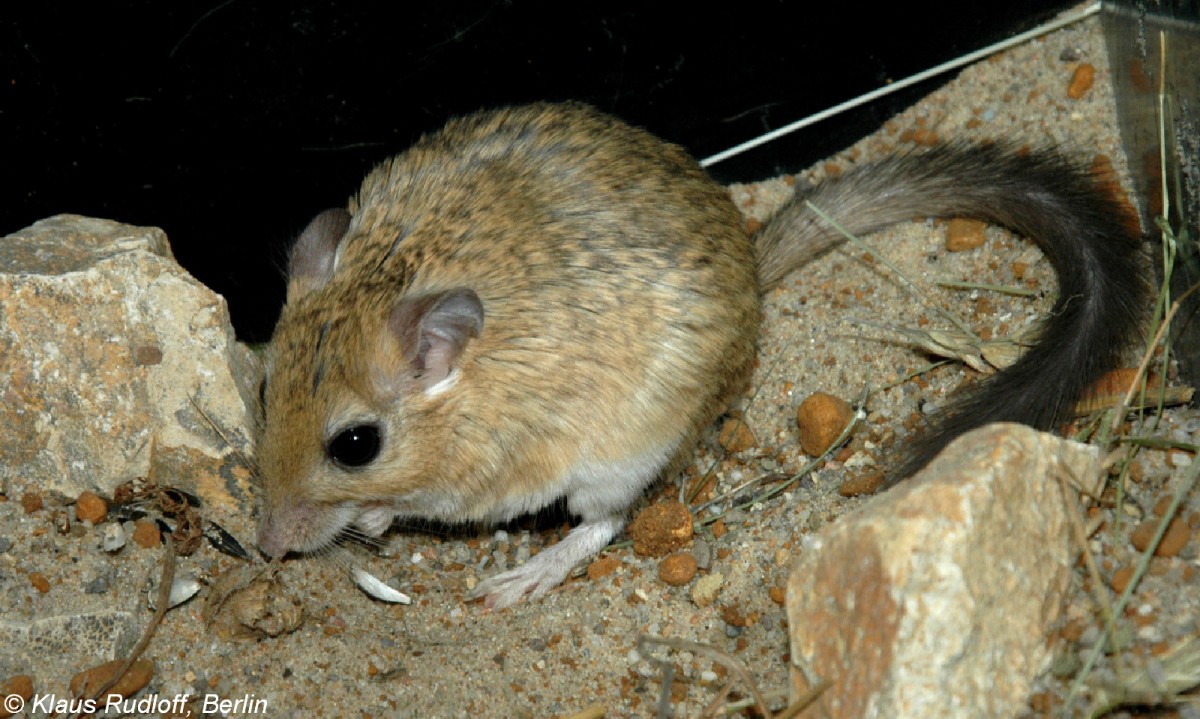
[272, 539]
[300, 526]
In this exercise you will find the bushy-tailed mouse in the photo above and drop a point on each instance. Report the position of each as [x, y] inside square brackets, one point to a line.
[543, 302]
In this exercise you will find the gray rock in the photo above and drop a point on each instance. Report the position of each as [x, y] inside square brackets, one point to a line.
[935, 599]
[110, 346]
[99, 585]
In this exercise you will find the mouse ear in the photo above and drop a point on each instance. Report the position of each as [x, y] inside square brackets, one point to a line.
[432, 330]
[312, 260]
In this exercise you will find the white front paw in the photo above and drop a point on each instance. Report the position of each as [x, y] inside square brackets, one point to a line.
[375, 521]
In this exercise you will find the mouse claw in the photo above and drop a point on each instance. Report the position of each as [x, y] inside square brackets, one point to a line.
[548, 569]
[508, 588]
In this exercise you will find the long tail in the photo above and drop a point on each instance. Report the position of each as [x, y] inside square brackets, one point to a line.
[1081, 228]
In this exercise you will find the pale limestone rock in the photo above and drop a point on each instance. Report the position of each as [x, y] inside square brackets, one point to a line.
[935, 599]
[104, 343]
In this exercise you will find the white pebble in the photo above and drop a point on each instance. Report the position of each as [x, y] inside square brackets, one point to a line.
[113, 538]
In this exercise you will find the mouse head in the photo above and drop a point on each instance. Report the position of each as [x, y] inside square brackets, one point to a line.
[358, 377]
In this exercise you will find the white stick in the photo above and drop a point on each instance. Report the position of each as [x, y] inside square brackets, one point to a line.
[901, 84]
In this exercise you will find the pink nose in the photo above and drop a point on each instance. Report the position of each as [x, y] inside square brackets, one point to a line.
[272, 539]
[269, 547]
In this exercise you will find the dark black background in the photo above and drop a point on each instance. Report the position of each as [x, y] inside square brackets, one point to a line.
[229, 124]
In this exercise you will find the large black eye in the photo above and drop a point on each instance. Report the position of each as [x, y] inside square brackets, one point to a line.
[355, 447]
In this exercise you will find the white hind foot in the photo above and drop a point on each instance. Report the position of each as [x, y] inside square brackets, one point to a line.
[550, 567]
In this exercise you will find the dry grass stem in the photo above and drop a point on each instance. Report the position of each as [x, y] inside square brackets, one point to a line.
[728, 661]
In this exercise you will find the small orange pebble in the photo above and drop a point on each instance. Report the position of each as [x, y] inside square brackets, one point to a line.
[861, 484]
[39, 582]
[661, 528]
[735, 436]
[91, 507]
[146, 534]
[1074, 630]
[20, 685]
[963, 235]
[131, 682]
[1162, 505]
[733, 616]
[1081, 81]
[777, 594]
[1177, 536]
[602, 567]
[821, 418]
[677, 569]
[31, 502]
[1121, 578]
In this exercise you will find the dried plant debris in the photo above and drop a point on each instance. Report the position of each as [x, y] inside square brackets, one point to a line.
[176, 513]
[736, 672]
[1160, 681]
[223, 541]
[252, 602]
[984, 356]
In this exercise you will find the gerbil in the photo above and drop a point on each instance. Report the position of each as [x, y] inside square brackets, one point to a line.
[543, 302]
